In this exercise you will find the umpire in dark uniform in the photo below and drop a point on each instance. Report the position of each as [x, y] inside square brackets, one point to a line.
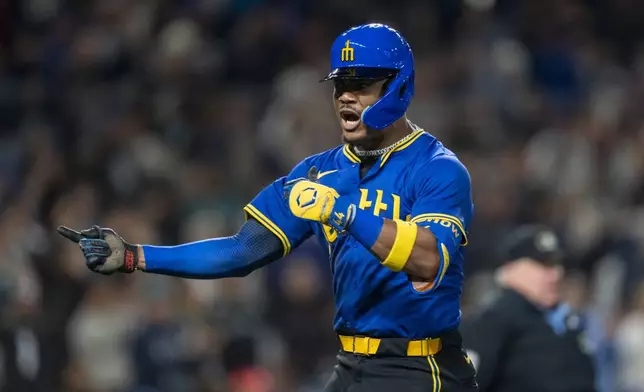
[527, 339]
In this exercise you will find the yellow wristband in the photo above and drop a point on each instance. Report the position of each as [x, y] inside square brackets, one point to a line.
[403, 244]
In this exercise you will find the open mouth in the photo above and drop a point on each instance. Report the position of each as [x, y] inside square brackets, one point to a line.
[350, 119]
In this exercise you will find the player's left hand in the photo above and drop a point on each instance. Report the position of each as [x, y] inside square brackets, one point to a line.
[105, 251]
[308, 199]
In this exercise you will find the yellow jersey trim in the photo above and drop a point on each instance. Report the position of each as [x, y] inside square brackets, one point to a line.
[415, 135]
[350, 154]
[449, 218]
[250, 210]
[437, 281]
[346, 150]
[446, 262]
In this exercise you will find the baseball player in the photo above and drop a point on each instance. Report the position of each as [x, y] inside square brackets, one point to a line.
[391, 206]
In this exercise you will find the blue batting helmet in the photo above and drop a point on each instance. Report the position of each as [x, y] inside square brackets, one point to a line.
[376, 51]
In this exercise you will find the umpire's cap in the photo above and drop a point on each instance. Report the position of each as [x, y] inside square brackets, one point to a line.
[535, 242]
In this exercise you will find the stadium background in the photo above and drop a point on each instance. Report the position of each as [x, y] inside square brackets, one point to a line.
[161, 119]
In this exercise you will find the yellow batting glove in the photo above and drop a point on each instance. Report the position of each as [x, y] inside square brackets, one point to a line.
[312, 201]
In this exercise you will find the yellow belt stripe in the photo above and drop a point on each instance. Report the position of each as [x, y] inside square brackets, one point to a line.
[261, 218]
[449, 218]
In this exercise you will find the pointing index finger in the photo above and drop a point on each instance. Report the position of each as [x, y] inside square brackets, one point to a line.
[70, 234]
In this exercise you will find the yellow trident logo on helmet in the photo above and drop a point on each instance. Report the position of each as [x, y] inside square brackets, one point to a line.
[347, 52]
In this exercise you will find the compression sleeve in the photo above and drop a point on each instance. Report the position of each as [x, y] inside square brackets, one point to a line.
[251, 248]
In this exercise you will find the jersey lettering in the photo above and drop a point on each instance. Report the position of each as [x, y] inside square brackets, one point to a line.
[330, 233]
[380, 206]
[445, 222]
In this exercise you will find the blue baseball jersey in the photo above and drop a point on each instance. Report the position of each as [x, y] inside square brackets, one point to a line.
[419, 181]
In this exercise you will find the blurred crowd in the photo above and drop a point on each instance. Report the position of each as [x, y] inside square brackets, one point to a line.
[162, 118]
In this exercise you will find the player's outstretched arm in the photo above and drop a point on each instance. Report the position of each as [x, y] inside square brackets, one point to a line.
[252, 247]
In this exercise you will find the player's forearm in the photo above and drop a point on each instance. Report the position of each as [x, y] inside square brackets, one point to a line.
[193, 260]
[401, 246]
[236, 256]
[423, 260]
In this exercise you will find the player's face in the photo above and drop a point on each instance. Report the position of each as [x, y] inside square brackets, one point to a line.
[351, 98]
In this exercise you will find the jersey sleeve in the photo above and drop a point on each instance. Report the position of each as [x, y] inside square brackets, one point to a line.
[270, 208]
[443, 204]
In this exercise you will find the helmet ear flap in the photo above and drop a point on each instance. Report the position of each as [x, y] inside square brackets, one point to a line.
[393, 103]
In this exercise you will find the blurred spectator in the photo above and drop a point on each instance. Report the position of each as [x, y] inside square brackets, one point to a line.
[100, 331]
[630, 345]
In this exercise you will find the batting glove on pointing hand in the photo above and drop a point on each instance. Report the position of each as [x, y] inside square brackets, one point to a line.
[105, 251]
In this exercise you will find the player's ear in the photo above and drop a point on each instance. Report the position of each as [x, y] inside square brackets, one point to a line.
[385, 86]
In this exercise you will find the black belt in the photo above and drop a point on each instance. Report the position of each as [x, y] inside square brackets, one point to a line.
[400, 347]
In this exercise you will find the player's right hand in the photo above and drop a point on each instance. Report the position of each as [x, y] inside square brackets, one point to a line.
[312, 201]
[105, 251]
